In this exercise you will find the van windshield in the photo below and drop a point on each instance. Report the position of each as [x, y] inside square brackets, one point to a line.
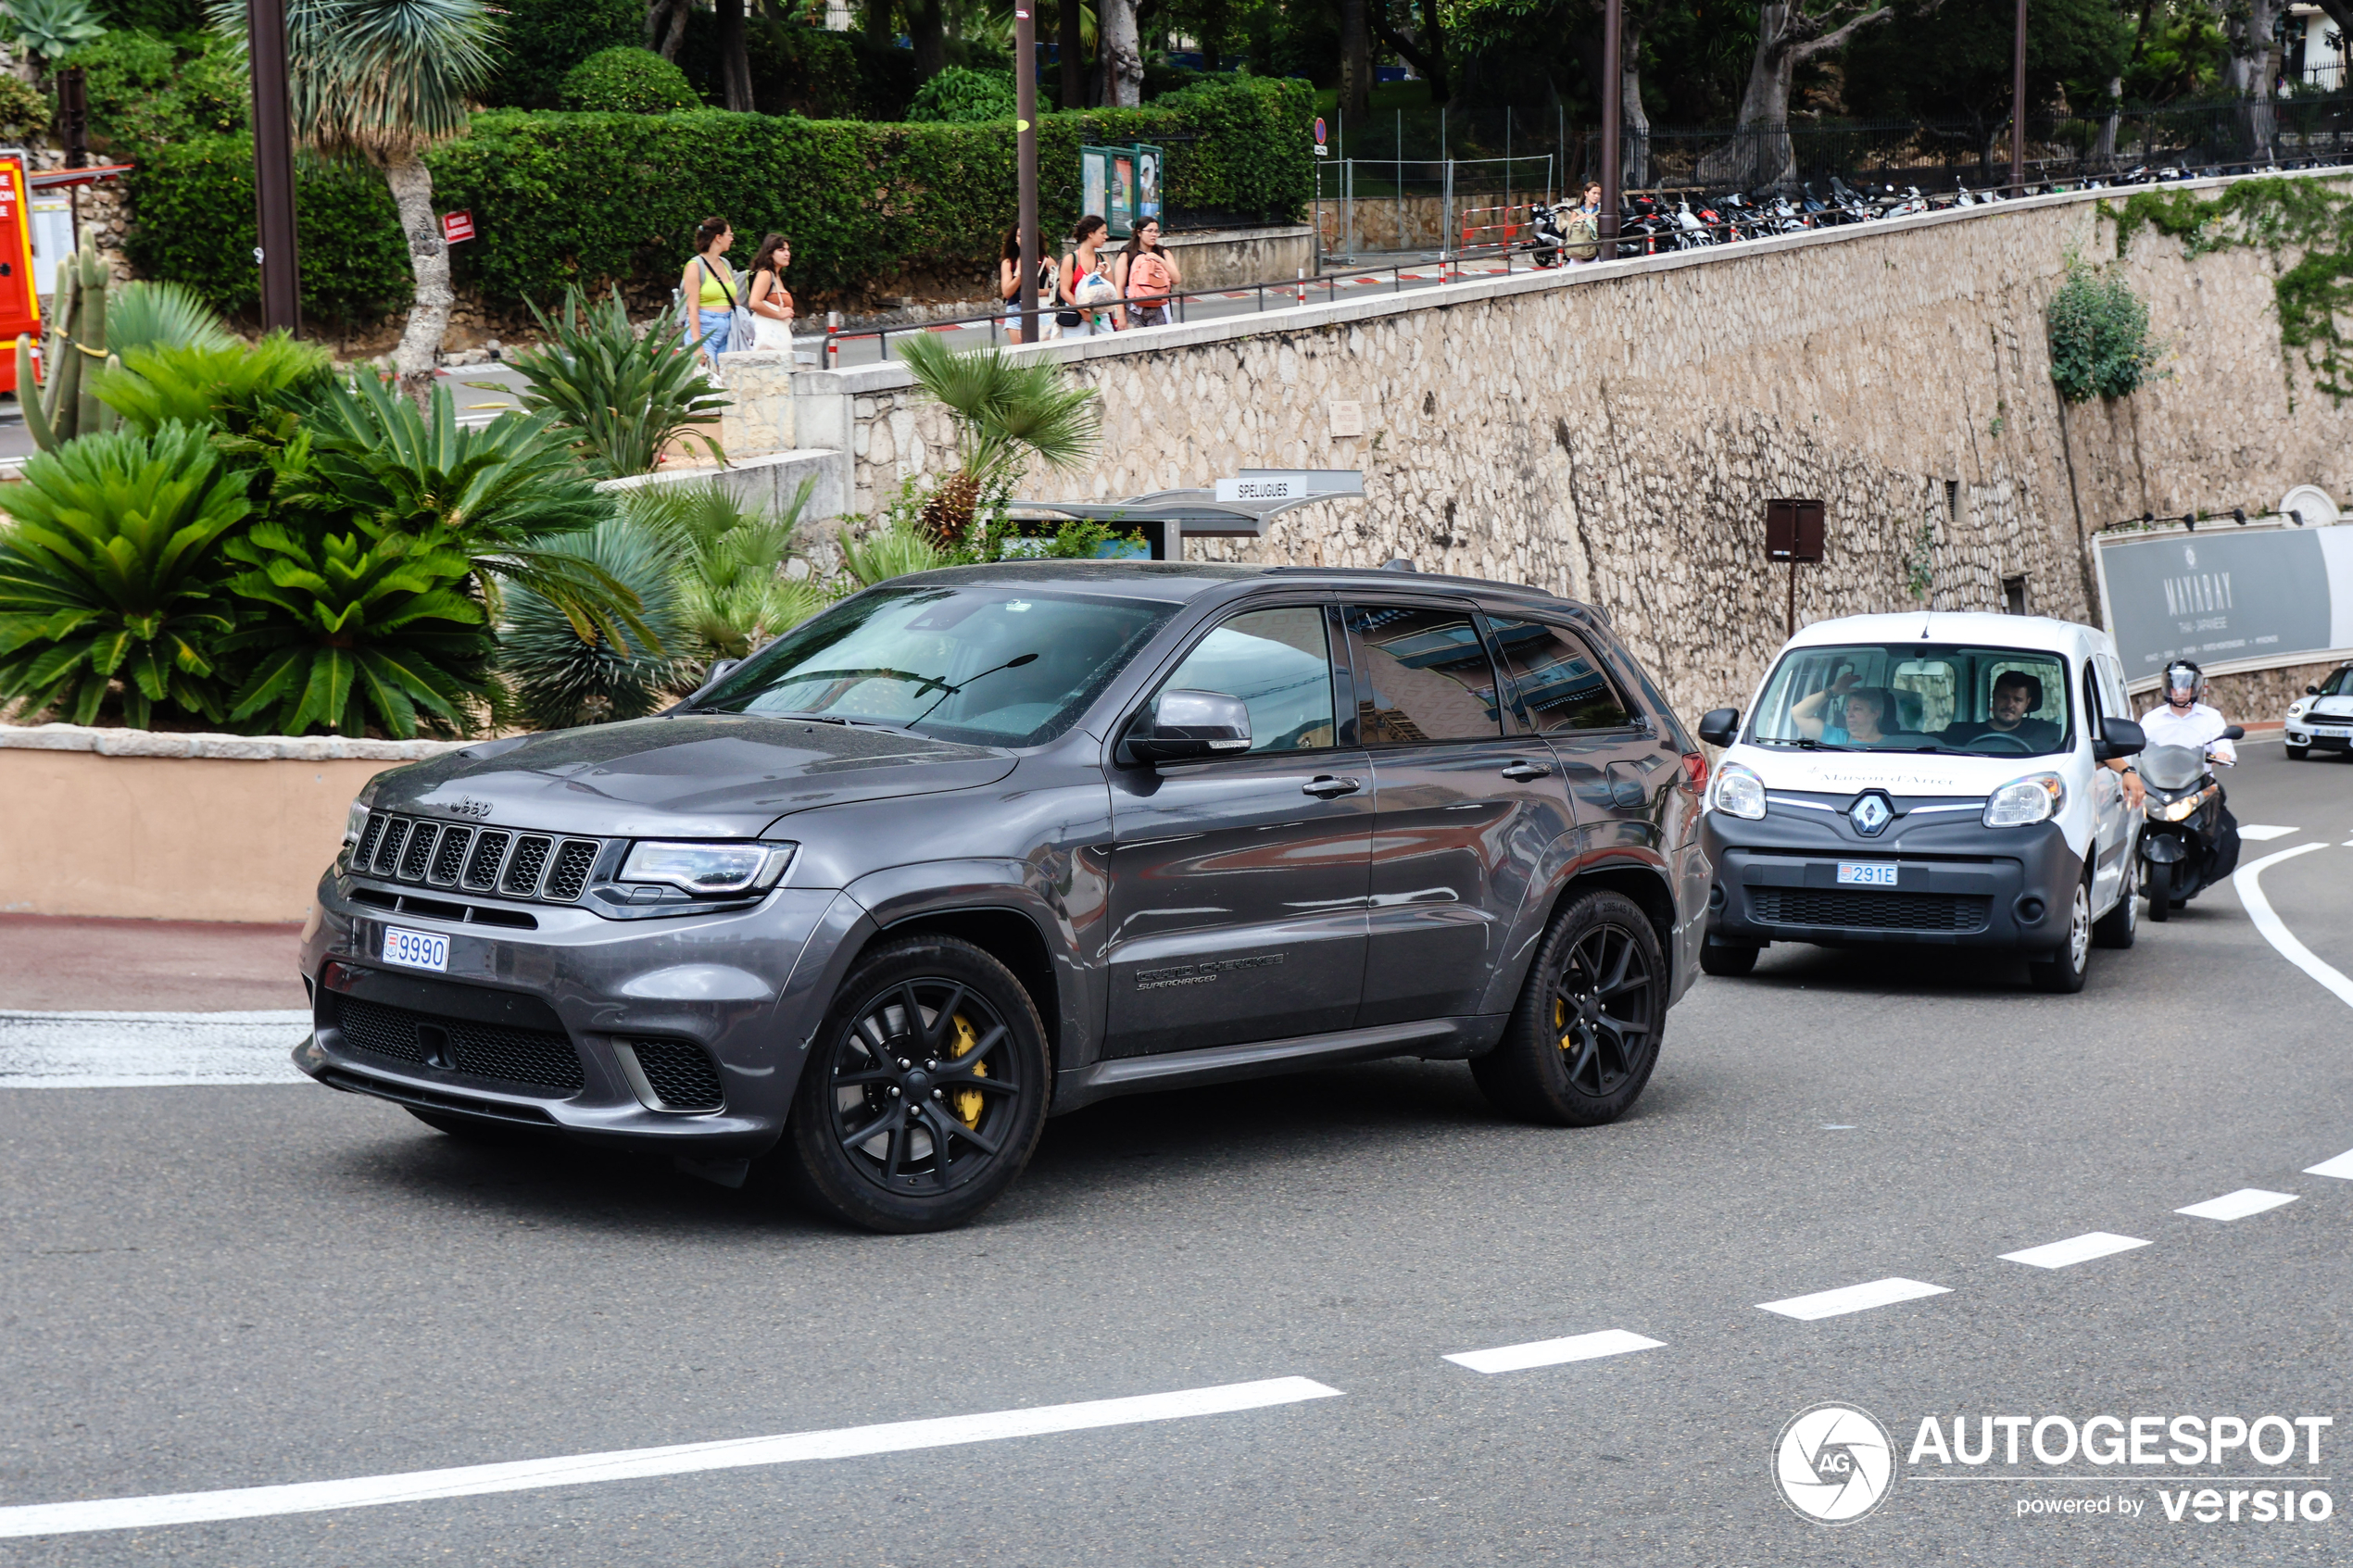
[984, 665]
[1917, 696]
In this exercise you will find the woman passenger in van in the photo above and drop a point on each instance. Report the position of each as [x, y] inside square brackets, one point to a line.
[1843, 713]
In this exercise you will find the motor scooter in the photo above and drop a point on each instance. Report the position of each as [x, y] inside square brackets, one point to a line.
[2182, 848]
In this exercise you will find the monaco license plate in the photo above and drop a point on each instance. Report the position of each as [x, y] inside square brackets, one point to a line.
[1866, 874]
[2337, 731]
[416, 949]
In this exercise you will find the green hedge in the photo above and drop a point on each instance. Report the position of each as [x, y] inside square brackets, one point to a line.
[545, 38]
[193, 206]
[588, 198]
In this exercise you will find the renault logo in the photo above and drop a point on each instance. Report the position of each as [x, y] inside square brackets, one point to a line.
[1870, 814]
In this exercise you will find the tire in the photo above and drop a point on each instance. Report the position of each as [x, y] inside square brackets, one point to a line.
[2297, 753]
[853, 1152]
[2062, 974]
[1731, 959]
[2117, 928]
[1582, 1041]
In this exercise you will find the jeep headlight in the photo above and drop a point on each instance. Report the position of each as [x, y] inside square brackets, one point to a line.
[2024, 802]
[708, 869]
[1737, 792]
[355, 822]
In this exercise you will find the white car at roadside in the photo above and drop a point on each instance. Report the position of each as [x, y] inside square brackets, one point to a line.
[2321, 720]
[1927, 778]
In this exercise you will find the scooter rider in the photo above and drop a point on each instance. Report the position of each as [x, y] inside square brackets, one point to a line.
[2182, 719]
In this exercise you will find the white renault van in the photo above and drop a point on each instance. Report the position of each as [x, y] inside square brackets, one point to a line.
[1927, 778]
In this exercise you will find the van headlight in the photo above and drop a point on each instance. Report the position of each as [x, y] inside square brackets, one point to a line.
[1737, 792]
[2024, 802]
[708, 869]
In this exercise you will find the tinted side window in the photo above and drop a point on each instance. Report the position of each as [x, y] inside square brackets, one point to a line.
[1560, 682]
[1278, 662]
[1424, 675]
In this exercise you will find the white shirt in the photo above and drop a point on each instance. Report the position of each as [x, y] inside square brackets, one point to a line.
[2200, 727]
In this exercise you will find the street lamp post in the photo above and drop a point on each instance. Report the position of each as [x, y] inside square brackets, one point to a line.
[274, 189]
[1025, 159]
[1613, 84]
[2018, 103]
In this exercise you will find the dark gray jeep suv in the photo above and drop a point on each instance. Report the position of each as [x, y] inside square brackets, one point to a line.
[981, 845]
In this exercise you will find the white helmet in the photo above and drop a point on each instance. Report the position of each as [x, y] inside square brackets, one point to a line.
[2182, 675]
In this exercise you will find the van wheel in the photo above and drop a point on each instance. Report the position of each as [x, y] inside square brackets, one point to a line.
[925, 1092]
[1585, 1037]
[2118, 927]
[2063, 971]
[1729, 959]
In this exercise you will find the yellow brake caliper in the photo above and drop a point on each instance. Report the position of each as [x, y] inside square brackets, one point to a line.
[966, 1102]
[1560, 1025]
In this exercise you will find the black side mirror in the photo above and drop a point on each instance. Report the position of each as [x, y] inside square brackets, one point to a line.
[2119, 738]
[2311, 691]
[2233, 732]
[1187, 726]
[1717, 726]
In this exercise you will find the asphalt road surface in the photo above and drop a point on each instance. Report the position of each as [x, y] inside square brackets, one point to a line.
[216, 1288]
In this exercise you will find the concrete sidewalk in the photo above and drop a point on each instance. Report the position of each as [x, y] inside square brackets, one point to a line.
[61, 964]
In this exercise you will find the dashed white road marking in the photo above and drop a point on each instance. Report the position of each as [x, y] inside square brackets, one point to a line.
[1852, 1298]
[2247, 884]
[124, 1051]
[475, 1480]
[2340, 1167]
[1552, 1352]
[2237, 1205]
[2074, 1250]
[2263, 833]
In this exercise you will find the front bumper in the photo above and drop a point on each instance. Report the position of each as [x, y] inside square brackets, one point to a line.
[542, 1018]
[2303, 734]
[1958, 882]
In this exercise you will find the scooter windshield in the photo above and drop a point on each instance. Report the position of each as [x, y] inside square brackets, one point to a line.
[2171, 767]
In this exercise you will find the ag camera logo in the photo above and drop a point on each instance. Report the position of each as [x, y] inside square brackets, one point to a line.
[1835, 1463]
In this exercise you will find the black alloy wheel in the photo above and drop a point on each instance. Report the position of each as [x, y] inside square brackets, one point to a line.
[1585, 1036]
[925, 1092]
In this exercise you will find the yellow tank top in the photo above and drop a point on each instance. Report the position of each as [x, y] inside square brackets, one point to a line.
[714, 292]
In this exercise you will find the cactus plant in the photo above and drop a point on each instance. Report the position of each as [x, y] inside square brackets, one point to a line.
[67, 404]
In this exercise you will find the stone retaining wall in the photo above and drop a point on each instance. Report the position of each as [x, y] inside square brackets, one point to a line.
[1612, 432]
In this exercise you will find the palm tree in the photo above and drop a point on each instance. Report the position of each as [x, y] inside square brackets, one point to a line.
[1005, 414]
[381, 80]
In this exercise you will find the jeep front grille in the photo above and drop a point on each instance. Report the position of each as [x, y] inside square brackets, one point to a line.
[496, 1051]
[545, 868]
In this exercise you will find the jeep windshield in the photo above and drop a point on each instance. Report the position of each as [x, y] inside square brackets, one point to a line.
[1917, 696]
[967, 662]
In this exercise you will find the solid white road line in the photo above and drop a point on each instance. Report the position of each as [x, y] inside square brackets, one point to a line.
[1852, 1298]
[2340, 1167]
[2245, 882]
[2263, 834]
[1552, 1352]
[2237, 1205]
[121, 1050]
[2074, 1250]
[849, 1442]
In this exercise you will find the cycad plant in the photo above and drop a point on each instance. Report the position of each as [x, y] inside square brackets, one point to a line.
[109, 570]
[158, 313]
[727, 564]
[225, 386]
[622, 395]
[1005, 414]
[360, 622]
[504, 495]
[561, 677]
[381, 80]
[890, 551]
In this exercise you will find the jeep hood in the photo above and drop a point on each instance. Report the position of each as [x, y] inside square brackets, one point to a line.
[697, 775]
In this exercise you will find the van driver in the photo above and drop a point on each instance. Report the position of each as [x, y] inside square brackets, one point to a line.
[2016, 695]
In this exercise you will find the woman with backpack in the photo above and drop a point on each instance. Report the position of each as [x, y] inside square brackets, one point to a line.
[1581, 228]
[1086, 284]
[1147, 273]
[709, 285]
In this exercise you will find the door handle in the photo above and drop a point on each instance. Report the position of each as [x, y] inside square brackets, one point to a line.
[1522, 771]
[1327, 786]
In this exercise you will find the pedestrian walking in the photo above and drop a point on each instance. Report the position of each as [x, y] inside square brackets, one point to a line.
[1087, 285]
[1147, 273]
[771, 302]
[709, 284]
[1009, 288]
[1582, 228]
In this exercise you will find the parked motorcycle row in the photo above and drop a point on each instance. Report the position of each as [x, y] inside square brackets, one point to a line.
[1653, 223]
